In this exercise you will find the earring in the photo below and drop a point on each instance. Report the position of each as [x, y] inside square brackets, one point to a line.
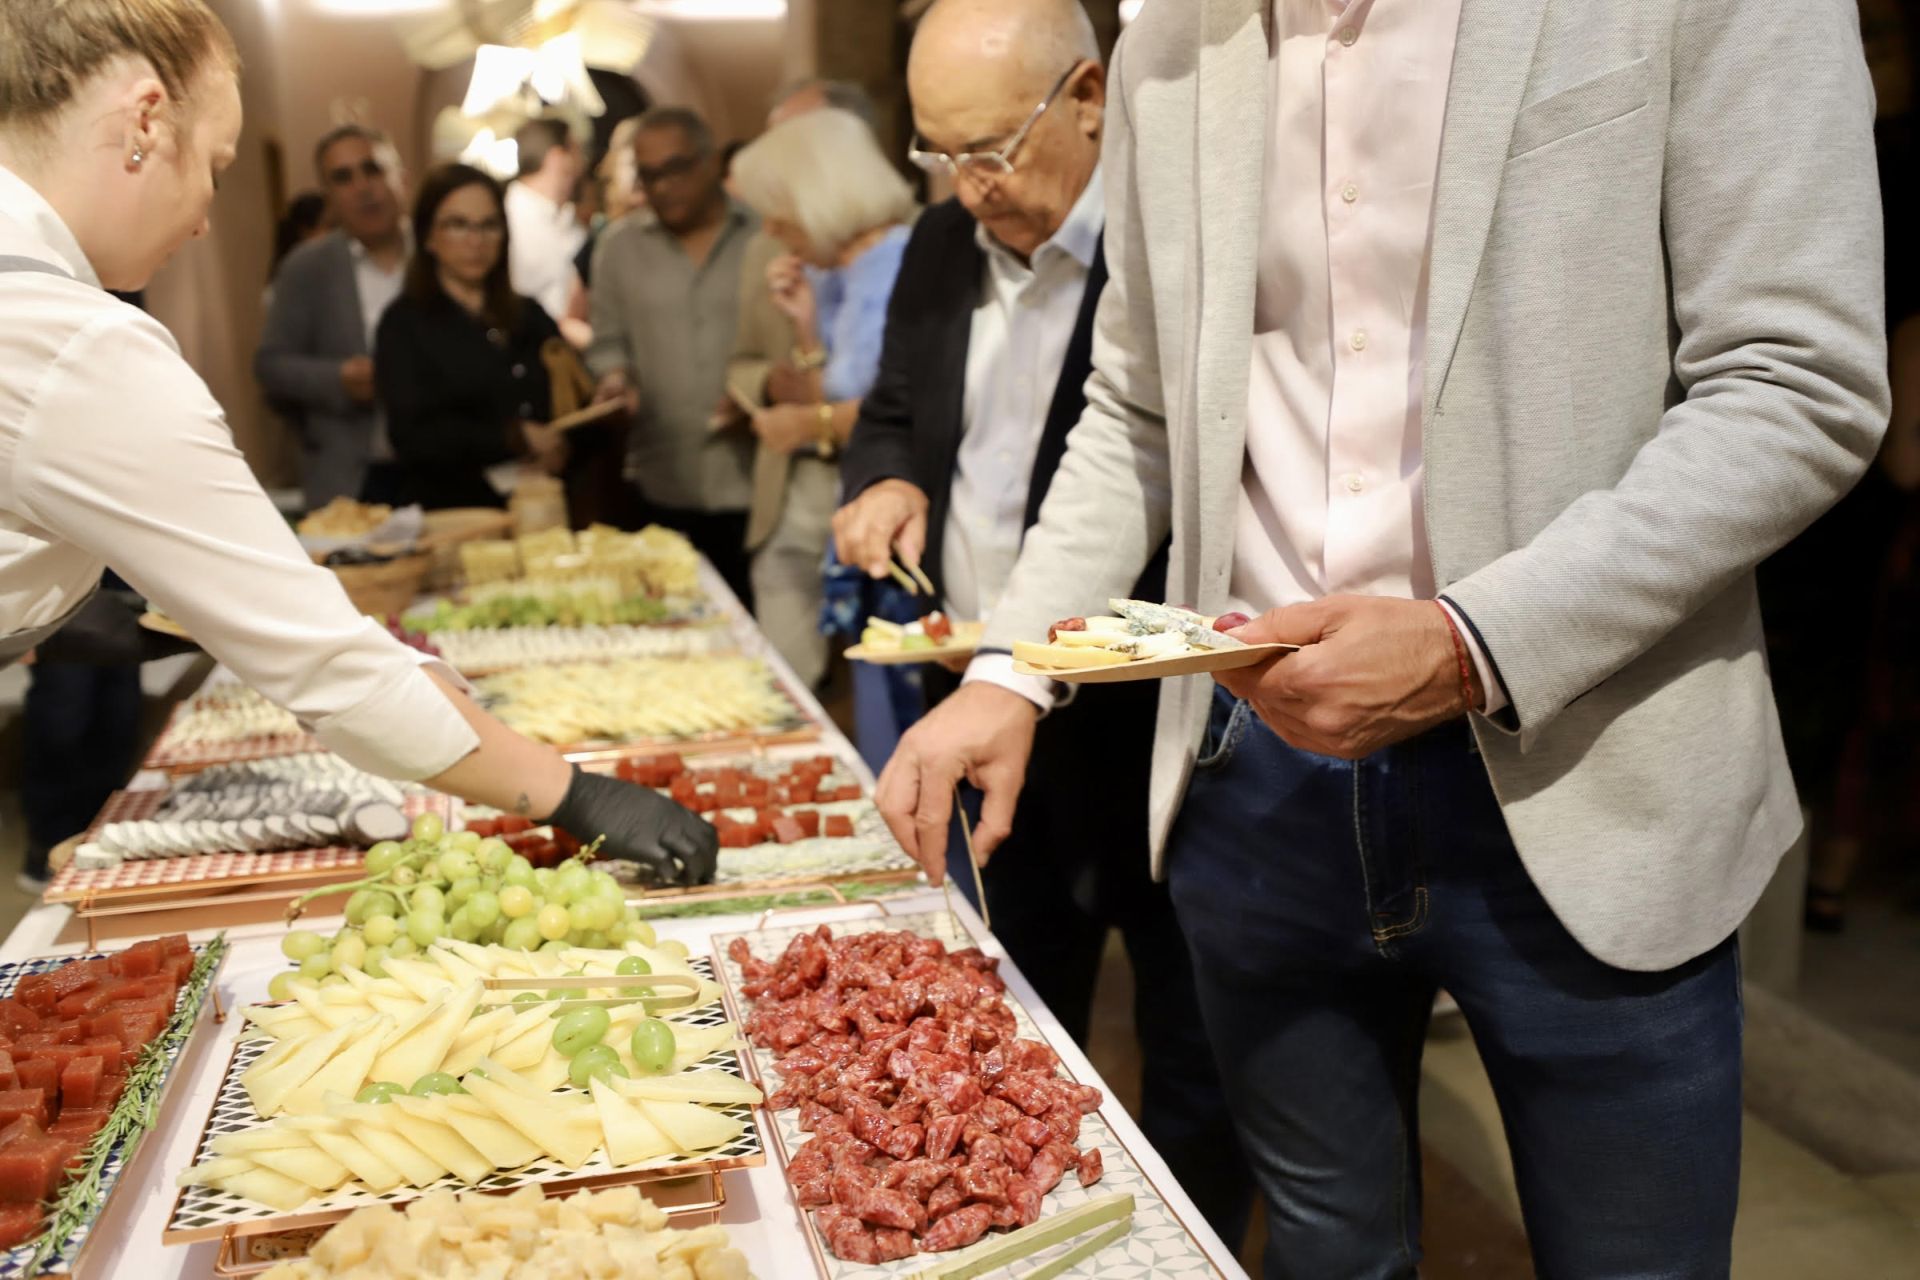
[138, 155]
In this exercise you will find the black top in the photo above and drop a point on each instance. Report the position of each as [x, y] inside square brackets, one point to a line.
[1084, 808]
[455, 392]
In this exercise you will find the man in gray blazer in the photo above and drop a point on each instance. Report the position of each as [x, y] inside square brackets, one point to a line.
[315, 357]
[1495, 417]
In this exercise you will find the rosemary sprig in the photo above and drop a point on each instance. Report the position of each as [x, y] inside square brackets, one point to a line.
[81, 1197]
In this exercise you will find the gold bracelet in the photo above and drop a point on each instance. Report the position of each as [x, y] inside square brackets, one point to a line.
[807, 361]
[827, 444]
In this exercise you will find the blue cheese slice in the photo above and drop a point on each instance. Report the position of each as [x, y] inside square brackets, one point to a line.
[1155, 619]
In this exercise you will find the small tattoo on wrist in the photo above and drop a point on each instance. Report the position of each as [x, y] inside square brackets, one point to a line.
[523, 806]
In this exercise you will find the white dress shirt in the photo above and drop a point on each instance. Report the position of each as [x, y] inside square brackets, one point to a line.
[113, 452]
[1015, 350]
[545, 238]
[377, 287]
[1330, 499]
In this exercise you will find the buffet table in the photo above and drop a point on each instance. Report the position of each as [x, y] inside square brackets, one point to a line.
[760, 1214]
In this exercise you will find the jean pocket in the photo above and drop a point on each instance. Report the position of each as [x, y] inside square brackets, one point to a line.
[1226, 726]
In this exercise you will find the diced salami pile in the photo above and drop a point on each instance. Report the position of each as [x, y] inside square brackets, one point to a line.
[932, 1122]
[66, 1041]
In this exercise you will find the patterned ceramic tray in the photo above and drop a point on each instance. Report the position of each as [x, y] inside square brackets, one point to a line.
[14, 1262]
[206, 1213]
[1158, 1245]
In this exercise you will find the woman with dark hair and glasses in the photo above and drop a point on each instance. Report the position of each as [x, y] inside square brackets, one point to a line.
[458, 356]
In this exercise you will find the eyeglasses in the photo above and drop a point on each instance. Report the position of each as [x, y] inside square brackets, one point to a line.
[463, 227]
[677, 167]
[988, 164]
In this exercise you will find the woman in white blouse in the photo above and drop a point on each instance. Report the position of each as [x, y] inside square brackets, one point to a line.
[116, 120]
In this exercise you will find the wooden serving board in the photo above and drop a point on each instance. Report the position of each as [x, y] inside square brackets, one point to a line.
[1185, 664]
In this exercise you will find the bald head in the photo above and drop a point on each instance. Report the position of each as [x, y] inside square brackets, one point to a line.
[978, 70]
[1019, 46]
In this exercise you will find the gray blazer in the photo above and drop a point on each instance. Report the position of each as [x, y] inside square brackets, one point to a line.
[1654, 354]
[313, 324]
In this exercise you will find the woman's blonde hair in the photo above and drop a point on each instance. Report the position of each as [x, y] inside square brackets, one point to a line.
[50, 48]
[823, 172]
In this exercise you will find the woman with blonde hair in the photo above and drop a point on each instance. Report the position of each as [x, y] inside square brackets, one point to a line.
[824, 189]
[117, 118]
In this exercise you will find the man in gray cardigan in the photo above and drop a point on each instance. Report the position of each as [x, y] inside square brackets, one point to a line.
[315, 358]
[1481, 347]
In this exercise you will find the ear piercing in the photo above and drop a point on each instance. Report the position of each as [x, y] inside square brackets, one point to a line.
[138, 155]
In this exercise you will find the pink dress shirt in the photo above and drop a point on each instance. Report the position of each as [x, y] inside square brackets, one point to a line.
[1330, 498]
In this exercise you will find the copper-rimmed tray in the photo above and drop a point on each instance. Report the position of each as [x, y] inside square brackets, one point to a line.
[201, 874]
[206, 1213]
[1159, 1243]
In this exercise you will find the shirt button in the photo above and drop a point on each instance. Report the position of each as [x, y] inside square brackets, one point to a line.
[1359, 340]
[1349, 193]
[1354, 483]
[1348, 35]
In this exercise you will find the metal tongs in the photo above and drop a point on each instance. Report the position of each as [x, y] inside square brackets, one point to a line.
[979, 887]
[687, 986]
[1112, 1214]
[910, 576]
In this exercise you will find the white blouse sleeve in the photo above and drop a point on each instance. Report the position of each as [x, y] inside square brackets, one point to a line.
[126, 454]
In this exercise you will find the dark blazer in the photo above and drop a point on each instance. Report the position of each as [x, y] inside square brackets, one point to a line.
[313, 325]
[1085, 800]
[455, 393]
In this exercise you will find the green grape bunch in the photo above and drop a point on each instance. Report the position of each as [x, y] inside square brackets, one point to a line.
[454, 884]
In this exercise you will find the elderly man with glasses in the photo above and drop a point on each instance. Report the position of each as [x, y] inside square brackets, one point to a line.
[986, 352]
[666, 303]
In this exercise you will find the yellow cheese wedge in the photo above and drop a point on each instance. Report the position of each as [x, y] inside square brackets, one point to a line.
[316, 1169]
[631, 1138]
[1064, 658]
[444, 1145]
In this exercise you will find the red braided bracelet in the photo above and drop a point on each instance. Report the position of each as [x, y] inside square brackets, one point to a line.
[1459, 653]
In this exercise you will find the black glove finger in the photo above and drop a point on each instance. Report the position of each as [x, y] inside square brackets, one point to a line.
[696, 856]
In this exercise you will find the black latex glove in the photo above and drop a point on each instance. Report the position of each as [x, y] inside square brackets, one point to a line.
[668, 844]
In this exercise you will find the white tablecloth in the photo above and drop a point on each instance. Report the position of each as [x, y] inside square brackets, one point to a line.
[760, 1215]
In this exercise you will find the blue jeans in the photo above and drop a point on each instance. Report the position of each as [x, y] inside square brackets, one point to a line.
[1326, 901]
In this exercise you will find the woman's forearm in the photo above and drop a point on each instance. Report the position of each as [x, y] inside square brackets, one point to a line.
[506, 771]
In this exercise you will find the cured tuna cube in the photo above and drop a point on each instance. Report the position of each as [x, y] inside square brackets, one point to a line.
[180, 966]
[138, 1028]
[7, 1079]
[80, 1124]
[837, 824]
[24, 1127]
[80, 1082]
[15, 1017]
[809, 820]
[787, 830]
[111, 1087]
[35, 991]
[19, 1223]
[174, 944]
[106, 1048]
[15, 1103]
[138, 961]
[66, 1031]
[80, 1004]
[39, 1074]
